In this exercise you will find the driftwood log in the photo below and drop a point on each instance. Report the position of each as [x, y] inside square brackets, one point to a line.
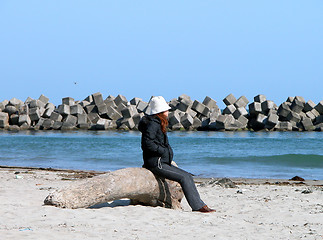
[138, 184]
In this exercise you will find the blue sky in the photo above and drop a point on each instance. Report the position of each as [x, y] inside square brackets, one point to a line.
[144, 48]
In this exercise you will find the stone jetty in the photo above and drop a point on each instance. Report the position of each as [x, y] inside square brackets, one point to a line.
[97, 113]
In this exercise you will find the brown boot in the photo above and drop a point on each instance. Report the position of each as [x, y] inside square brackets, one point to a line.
[206, 209]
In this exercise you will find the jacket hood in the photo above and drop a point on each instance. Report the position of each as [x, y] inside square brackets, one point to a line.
[145, 120]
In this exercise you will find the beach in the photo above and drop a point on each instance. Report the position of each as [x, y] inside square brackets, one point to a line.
[254, 209]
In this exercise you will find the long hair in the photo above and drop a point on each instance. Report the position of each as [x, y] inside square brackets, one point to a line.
[164, 122]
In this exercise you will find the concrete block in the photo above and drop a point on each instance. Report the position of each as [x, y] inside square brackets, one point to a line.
[70, 119]
[14, 119]
[43, 98]
[230, 109]
[110, 103]
[68, 101]
[23, 109]
[174, 118]
[200, 108]
[10, 110]
[293, 116]
[136, 118]
[120, 99]
[241, 111]
[57, 125]
[255, 108]
[120, 107]
[177, 127]
[173, 104]
[309, 106]
[97, 98]
[297, 106]
[34, 114]
[67, 126]
[48, 112]
[24, 127]
[39, 124]
[102, 124]
[187, 120]
[224, 121]
[241, 102]
[24, 118]
[141, 106]
[268, 105]
[210, 103]
[284, 126]
[93, 117]
[261, 120]
[82, 118]
[243, 120]
[128, 122]
[89, 99]
[129, 111]
[50, 106]
[301, 99]
[283, 110]
[91, 109]
[272, 121]
[196, 123]
[110, 98]
[102, 109]
[113, 114]
[183, 105]
[319, 128]
[28, 100]
[2, 106]
[184, 97]
[84, 103]
[319, 107]
[214, 114]
[307, 124]
[135, 101]
[302, 115]
[13, 128]
[290, 99]
[318, 120]
[235, 126]
[76, 109]
[48, 123]
[56, 117]
[83, 126]
[310, 115]
[229, 100]
[36, 103]
[260, 98]
[315, 112]
[15, 102]
[64, 110]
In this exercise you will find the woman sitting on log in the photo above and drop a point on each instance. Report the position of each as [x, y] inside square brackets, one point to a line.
[158, 154]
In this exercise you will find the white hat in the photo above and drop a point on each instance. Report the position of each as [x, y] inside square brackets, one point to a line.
[157, 105]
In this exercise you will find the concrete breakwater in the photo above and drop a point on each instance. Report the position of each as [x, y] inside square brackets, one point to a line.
[95, 113]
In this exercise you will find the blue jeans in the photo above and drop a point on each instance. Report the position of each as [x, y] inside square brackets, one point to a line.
[186, 181]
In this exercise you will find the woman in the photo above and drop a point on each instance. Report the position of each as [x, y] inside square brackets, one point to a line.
[158, 154]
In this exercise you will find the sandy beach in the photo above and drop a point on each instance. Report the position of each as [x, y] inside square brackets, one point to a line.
[255, 209]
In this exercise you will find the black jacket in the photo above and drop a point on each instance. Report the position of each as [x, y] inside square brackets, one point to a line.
[154, 143]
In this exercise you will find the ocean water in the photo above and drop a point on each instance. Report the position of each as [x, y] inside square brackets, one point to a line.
[204, 154]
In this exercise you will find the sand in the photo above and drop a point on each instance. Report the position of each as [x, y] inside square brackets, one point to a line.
[255, 209]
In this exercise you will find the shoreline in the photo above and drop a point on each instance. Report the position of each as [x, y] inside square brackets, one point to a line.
[198, 180]
[254, 209]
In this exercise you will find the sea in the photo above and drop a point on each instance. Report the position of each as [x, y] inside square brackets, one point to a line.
[246, 154]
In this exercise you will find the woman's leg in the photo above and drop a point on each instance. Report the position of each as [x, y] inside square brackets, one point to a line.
[186, 181]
